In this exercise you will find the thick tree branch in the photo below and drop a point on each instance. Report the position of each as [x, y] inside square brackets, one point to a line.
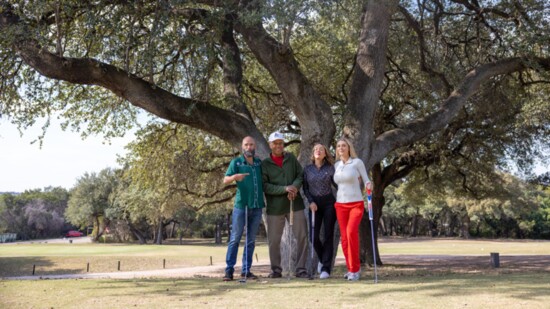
[313, 113]
[368, 75]
[423, 50]
[228, 126]
[232, 69]
[423, 127]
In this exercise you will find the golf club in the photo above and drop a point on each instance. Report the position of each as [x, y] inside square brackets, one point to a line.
[245, 262]
[312, 247]
[290, 223]
[369, 198]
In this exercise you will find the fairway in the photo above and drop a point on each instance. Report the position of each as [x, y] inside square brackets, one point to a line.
[424, 291]
[418, 273]
[54, 259]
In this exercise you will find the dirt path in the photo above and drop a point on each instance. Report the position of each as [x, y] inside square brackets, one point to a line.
[435, 263]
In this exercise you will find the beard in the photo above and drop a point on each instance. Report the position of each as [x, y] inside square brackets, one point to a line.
[249, 153]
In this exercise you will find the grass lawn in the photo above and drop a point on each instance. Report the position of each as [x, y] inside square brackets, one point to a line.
[427, 291]
[51, 259]
[456, 286]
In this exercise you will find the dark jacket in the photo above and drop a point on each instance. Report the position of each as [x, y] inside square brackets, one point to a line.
[275, 179]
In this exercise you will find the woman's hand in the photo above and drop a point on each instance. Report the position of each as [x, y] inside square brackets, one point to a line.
[368, 186]
[313, 206]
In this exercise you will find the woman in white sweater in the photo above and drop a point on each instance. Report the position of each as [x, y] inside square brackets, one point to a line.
[349, 173]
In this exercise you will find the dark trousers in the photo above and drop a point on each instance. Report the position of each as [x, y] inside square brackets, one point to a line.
[325, 214]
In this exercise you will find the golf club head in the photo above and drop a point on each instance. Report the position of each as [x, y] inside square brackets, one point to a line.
[242, 280]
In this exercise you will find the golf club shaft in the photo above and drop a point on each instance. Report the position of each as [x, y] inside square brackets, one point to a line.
[245, 265]
[312, 234]
[290, 223]
[312, 241]
[371, 218]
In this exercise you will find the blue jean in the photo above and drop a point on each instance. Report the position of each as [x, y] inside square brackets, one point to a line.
[237, 228]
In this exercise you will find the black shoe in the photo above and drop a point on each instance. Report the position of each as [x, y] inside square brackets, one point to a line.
[275, 275]
[228, 276]
[302, 275]
[249, 275]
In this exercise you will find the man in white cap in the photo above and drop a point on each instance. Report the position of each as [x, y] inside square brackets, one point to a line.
[282, 178]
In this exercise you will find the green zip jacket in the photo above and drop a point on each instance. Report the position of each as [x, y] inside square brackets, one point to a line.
[275, 179]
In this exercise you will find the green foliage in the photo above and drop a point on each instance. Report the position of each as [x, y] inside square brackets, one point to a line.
[172, 173]
[504, 206]
[89, 200]
[34, 213]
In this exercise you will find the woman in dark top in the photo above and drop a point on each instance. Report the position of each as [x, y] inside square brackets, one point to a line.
[318, 182]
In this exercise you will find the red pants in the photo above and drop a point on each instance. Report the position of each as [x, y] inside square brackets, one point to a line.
[349, 217]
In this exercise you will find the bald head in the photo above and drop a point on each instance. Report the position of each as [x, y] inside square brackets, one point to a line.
[249, 146]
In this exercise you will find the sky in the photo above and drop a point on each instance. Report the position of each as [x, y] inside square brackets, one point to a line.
[62, 159]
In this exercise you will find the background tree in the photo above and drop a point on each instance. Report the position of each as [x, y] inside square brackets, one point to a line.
[89, 200]
[173, 174]
[406, 80]
[504, 207]
[34, 213]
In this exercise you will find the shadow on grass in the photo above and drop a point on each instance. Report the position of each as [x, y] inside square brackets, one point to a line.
[467, 263]
[23, 266]
[522, 286]
[209, 242]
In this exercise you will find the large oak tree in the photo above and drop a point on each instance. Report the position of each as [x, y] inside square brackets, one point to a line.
[404, 80]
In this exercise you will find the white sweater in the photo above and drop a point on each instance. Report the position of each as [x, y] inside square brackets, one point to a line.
[346, 176]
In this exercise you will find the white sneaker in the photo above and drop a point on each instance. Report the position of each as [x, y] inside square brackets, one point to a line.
[319, 268]
[324, 275]
[346, 276]
[354, 276]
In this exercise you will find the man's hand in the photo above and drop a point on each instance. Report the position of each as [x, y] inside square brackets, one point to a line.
[292, 192]
[239, 177]
[313, 207]
[291, 189]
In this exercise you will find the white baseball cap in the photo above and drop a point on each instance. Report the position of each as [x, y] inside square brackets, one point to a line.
[276, 136]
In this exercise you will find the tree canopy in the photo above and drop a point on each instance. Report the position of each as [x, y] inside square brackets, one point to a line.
[411, 83]
[34, 213]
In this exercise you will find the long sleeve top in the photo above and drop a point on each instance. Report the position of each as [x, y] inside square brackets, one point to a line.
[346, 176]
[318, 181]
[275, 179]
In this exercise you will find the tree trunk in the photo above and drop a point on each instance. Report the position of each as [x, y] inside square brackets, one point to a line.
[172, 229]
[218, 233]
[365, 236]
[137, 233]
[99, 227]
[229, 227]
[158, 234]
[465, 228]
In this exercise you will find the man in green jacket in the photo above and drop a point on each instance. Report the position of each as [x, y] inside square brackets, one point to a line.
[282, 178]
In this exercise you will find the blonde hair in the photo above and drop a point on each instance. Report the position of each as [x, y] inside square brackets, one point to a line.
[352, 153]
[328, 156]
